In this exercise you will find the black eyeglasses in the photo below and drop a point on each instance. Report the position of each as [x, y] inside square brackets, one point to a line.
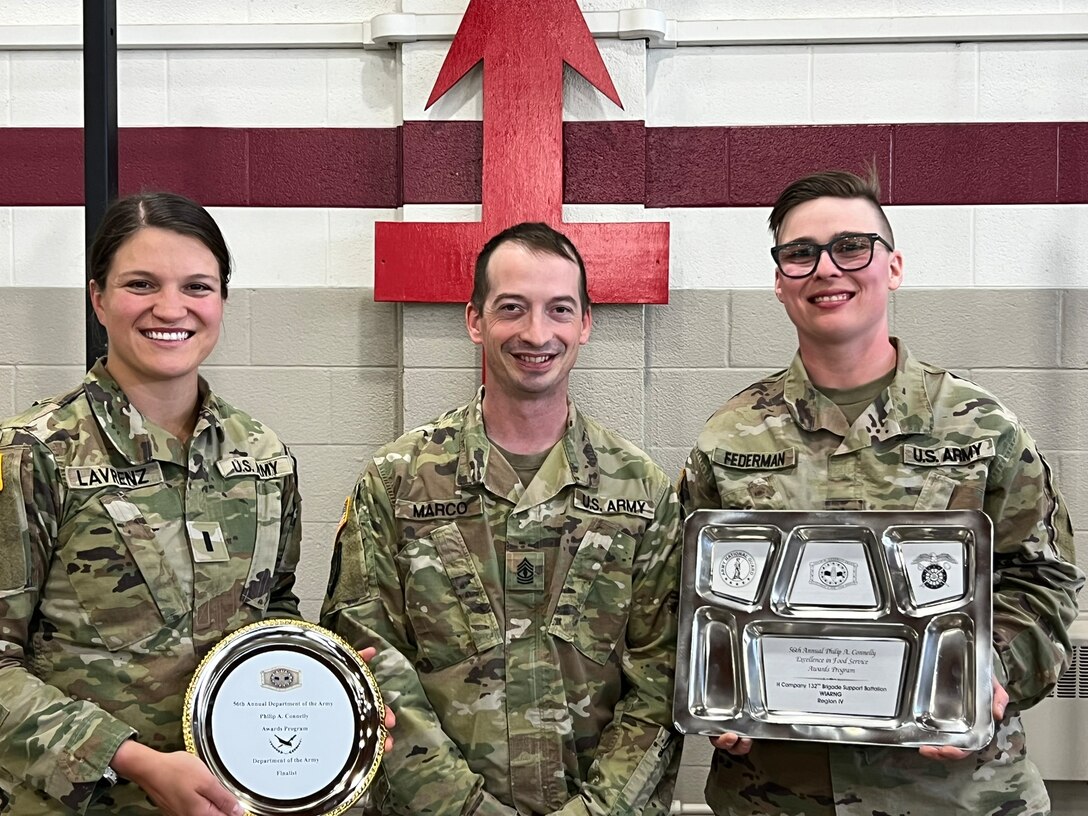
[851, 252]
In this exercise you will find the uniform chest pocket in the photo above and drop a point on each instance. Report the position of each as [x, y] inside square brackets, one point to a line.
[750, 492]
[953, 489]
[595, 600]
[118, 567]
[445, 600]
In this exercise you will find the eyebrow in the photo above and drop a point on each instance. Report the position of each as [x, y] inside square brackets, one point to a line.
[808, 239]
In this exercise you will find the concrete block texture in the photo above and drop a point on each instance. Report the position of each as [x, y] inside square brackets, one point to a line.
[6, 276]
[430, 392]
[1049, 402]
[312, 575]
[326, 476]
[434, 335]
[7, 391]
[617, 339]
[252, 88]
[1073, 340]
[322, 327]
[680, 401]
[671, 460]
[614, 398]
[295, 402]
[970, 328]
[760, 334]
[234, 334]
[33, 383]
[41, 326]
[365, 405]
[47, 247]
[891, 78]
[692, 329]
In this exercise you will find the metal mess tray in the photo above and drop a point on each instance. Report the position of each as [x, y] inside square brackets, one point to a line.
[837, 626]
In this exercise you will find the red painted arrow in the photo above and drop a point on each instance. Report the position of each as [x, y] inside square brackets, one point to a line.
[523, 44]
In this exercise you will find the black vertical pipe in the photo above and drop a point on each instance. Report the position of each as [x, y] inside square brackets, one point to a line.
[99, 135]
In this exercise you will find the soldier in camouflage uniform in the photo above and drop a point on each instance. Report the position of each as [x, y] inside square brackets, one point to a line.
[133, 537]
[517, 566]
[857, 423]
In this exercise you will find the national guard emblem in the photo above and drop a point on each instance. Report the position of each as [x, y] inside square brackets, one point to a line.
[281, 679]
[525, 572]
[737, 569]
[934, 567]
[833, 573]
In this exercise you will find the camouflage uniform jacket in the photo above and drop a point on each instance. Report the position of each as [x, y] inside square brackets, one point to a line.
[930, 441]
[124, 556]
[526, 636]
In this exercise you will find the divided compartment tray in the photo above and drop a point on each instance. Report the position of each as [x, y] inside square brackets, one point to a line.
[837, 626]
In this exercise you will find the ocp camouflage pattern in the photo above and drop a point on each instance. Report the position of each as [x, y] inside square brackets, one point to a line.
[526, 636]
[125, 556]
[930, 441]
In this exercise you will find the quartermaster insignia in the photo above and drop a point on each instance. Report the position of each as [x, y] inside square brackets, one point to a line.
[934, 567]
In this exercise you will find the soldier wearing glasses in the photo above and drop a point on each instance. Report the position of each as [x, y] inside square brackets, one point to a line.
[866, 426]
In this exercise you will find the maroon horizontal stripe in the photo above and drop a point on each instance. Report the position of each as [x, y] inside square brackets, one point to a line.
[763, 160]
[604, 162]
[1072, 162]
[991, 163]
[227, 167]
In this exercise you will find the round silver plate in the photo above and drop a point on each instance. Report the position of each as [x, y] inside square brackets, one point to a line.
[288, 717]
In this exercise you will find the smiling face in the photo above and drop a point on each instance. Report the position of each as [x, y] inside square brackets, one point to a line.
[531, 323]
[161, 306]
[832, 307]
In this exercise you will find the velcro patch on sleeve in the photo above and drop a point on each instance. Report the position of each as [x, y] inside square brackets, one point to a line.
[15, 565]
[948, 455]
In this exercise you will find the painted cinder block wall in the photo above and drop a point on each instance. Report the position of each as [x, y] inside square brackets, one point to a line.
[983, 149]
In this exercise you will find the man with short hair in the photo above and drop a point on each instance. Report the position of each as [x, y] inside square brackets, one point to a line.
[864, 421]
[517, 566]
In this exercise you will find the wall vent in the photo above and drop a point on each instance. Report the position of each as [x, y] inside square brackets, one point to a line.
[1074, 683]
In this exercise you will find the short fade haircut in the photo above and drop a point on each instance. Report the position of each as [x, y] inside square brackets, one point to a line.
[536, 237]
[829, 184]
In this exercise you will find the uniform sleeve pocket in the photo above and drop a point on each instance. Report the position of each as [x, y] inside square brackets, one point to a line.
[595, 600]
[266, 545]
[15, 560]
[127, 588]
[445, 600]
